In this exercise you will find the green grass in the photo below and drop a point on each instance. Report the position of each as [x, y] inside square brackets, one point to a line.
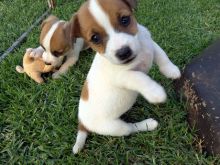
[38, 123]
[15, 17]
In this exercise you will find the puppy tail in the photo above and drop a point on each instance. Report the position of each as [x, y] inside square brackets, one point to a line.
[19, 69]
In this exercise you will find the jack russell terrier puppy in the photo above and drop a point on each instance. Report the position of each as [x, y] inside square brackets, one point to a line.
[125, 52]
[58, 43]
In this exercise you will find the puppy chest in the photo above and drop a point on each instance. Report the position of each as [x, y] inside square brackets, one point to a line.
[108, 101]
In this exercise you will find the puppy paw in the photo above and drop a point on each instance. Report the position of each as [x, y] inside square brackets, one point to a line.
[56, 75]
[147, 125]
[35, 53]
[171, 71]
[29, 50]
[151, 124]
[156, 95]
[77, 148]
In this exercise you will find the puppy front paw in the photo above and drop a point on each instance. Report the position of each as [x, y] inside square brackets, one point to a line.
[151, 124]
[29, 50]
[156, 95]
[171, 71]
[77, 148]
[147, 125]
[56, 75]
[35, 53]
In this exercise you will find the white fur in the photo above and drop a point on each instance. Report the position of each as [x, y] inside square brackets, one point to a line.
[100, 16]
[113, 88]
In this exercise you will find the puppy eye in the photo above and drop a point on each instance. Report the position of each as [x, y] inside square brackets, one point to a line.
[57, 54]
[125, 20]
[96, 38]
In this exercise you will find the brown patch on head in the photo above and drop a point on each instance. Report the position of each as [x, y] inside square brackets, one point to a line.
[46, 25]
[81, 127]
[85, 91]
[116, 10]
[60, 42]
[89, 27]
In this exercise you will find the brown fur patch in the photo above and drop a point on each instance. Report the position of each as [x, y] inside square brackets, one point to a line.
[85, 91]
[74, 28]
[89, 26]
[81, 127]
[115, 10]
[60, 42]
[46, 25]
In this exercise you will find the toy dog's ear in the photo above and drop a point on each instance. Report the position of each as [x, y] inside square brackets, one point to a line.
[131, 3]
[72, 28]
[51, 19]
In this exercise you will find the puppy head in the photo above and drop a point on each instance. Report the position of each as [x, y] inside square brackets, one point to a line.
[109, 27]
[55, 39]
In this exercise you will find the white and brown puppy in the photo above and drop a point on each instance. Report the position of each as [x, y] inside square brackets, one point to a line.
[57, 43]
[125, 53]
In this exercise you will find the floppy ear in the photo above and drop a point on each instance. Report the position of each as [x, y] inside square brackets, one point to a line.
[50, 19]
[72, 28]
[131, 3]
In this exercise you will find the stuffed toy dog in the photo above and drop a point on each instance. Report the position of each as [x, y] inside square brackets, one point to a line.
[34, 67]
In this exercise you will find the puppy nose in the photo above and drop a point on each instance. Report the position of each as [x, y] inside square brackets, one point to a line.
[124, 53]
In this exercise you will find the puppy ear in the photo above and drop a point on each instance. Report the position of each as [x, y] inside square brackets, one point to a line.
[131, 3]
[51, 19]
[72, 28]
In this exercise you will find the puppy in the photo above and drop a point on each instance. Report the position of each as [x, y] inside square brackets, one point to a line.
[125, 53]
[57, 43]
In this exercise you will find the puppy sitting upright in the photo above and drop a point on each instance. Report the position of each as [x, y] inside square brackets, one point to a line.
[125, 52]
[57, 42]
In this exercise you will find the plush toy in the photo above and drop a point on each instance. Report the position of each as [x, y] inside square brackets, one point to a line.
[34, 67]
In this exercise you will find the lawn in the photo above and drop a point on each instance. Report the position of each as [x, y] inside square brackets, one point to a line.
[15, 17]
[38, 123]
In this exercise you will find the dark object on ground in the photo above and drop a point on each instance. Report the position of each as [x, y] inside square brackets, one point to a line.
[200, 84]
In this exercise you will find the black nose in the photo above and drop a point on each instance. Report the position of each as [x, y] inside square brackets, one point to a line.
[124, 53]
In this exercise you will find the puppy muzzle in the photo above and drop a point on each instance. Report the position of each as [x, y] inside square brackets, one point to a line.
[125, 54]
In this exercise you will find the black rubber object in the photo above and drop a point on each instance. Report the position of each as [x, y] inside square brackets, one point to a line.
[200, 84]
